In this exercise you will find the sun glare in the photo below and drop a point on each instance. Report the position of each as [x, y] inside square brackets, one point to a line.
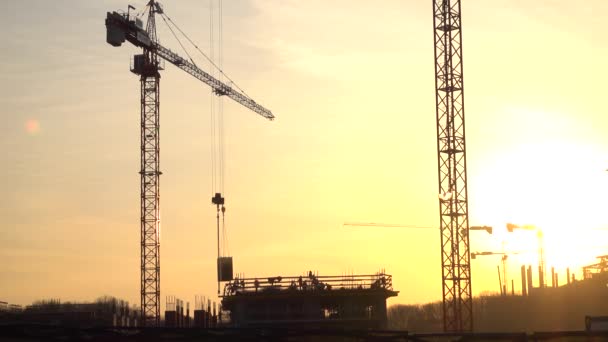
[559, 187]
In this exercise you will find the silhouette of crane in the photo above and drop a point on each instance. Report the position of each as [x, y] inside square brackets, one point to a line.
[411, 226]
[541, 247]
[123, 27]
[504, 284]
[452, 166]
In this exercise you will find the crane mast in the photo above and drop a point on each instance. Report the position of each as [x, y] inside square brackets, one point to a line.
[147, 66]
[451, 157]
[121, 27]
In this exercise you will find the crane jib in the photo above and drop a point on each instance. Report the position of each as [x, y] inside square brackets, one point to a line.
[218, 86]
[120, 28]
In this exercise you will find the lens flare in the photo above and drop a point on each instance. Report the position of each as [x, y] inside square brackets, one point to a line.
[32, 126]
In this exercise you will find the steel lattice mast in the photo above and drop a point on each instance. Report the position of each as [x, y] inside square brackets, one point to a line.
[451, 155]
[150, 177]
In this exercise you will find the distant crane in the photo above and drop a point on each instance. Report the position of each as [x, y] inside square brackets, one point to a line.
[488, 229]
[502, 280]
[388, 225]
[452, 165]
[121, 27]
[541, 248]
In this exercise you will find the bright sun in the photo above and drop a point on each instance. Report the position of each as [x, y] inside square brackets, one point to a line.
[558, 187]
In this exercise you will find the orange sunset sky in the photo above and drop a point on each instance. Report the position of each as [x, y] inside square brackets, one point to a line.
[352, 86]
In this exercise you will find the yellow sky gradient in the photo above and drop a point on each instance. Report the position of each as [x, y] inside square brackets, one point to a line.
[351, 84]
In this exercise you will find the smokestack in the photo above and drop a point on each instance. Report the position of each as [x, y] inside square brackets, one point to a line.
[502, 292]
[556, 281]
[530, 283]
[541, 281]
[552, 276]
[512, 287]
[524, 290]
[568, 275]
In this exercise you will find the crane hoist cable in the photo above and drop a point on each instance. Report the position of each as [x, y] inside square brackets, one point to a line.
[215, 146]
[217, 132]
[221, 99]
[216, 107]
[217, 136]
[222, 139]
[212, 126]
[220, 119]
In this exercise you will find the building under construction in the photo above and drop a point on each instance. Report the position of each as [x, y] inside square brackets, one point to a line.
[309, 301]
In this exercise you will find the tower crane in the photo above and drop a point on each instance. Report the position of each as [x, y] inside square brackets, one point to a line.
[123, 27]
[452, 165]
[488, 229]
[504, 284]
[541, 250]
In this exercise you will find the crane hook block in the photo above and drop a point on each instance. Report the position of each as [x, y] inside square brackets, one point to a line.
[217, 199]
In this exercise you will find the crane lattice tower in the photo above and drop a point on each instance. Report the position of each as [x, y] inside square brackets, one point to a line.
[149, 177]
[451, 155]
